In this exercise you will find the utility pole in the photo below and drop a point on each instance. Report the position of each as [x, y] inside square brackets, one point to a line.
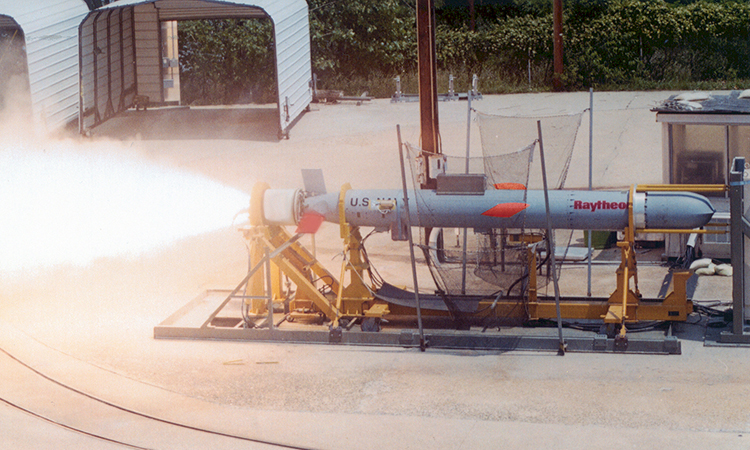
[472, 15]
[428, 107]
[557, 42]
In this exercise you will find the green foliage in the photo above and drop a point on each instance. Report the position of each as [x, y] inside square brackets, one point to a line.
[227, 61]
[606, 43]
[355, 38]
[362, 45]
[654, 41]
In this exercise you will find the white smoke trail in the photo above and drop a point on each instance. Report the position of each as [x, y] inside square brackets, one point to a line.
[63, 202]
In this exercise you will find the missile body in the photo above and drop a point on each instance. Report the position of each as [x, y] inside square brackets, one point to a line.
[569, 209]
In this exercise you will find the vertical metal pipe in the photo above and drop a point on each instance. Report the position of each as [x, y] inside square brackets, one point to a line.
[550, 242]
[468, 131]
[269, 289]
[427, 69]
[422, 345]
[736, 191]
[426, 56]
[591, 184]
[528, 66]
[466, 170]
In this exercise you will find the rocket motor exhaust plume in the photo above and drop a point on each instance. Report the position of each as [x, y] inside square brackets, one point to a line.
[72, 201]
[67, 202]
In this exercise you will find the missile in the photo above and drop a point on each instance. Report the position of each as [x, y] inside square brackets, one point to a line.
[500, 208]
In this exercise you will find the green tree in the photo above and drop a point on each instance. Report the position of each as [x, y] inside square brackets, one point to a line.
[354, 38]
[227, 61]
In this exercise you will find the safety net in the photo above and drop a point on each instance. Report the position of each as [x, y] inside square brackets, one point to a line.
[495, 262]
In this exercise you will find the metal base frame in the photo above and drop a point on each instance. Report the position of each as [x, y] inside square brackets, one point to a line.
[190, 323]
[413, 98]
[735, 339]
[452, 95]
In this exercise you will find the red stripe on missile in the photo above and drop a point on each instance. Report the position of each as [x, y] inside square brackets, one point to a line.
[510, 186]
[310, 223]
[505, 209]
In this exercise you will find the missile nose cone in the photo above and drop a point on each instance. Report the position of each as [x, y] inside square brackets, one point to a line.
[677, 210]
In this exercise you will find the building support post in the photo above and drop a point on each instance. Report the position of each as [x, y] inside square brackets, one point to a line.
[739, 229]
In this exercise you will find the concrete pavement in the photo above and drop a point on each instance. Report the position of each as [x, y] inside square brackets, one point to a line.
[91, 327]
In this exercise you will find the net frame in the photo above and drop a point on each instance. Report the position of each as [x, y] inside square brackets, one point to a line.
[490, 253]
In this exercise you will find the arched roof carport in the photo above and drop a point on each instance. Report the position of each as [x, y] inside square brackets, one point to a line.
[50, 30]
[121, 52]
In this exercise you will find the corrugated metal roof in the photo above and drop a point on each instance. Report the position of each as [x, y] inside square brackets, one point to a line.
[703, 103]
[272, 7]
[51, 31]
[292, 39]
[7, 22]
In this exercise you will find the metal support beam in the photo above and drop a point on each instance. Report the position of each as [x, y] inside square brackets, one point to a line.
[428, 106]
[172, 328]
[737, 236]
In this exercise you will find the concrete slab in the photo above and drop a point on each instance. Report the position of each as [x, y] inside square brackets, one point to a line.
[91, 326]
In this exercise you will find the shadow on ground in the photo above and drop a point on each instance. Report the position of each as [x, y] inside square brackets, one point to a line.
[246, 123]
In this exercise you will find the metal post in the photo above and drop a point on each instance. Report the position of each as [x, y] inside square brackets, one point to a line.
[736, 190]
[422, 344]
[550, 242]
[528, 65]
[468, 131]
[269, 290]
[591, 163]
[468, 154]
[427, 68]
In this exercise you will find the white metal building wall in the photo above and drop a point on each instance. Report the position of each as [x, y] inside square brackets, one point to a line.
[107, 71]
[51, 31]
[292, 44]
[148, 51]
[293, 63]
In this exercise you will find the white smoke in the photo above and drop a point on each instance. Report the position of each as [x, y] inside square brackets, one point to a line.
[71, 202]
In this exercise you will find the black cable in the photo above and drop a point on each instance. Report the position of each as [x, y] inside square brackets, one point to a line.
[491, 311]
[372, 271]
[709, 311]
[146, 416]
[329, 285]
[68, 427]
[696, 322]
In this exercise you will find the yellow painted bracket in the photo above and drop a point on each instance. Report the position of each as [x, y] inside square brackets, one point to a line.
[351, 296]
[377, 310]
[716, 188]
[296, 263]
[343, 225]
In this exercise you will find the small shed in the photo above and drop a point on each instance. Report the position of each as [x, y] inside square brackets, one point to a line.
[123, 53]
[701, 134]
[40, 39]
